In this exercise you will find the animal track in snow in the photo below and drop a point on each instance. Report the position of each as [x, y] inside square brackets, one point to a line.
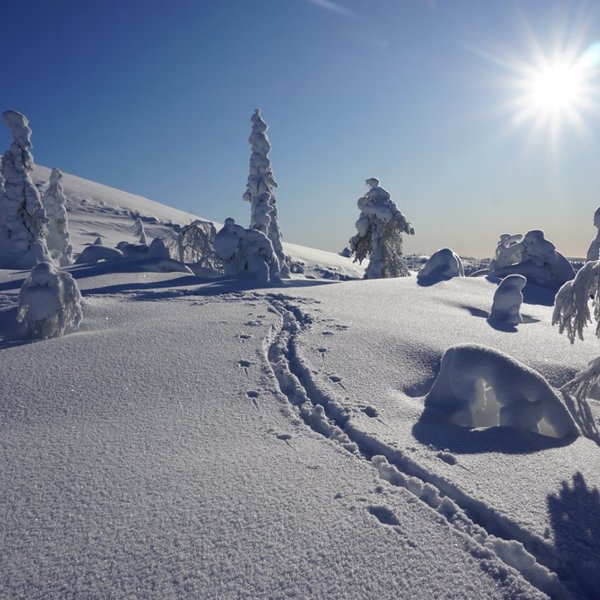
[253, 395]
[384, 515]
[245, 364]
[243, 336]
[322, 352]
[327, 333]
[370, 411]
[338, 380]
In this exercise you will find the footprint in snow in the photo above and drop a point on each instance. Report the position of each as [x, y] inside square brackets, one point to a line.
[322, 352]
[245, 364]
[253, 395]
[327, 333]
[243, 336]
[370, 411]
[338, 380]
[384, 515]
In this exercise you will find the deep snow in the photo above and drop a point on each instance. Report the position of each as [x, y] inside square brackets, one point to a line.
[210, 438]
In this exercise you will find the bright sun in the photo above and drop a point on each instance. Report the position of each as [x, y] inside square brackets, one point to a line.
[556, 88]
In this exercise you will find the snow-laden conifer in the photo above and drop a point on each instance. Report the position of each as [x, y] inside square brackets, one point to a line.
[55, 205]
[260, 190]
[379, 238]
[23, 219]
[140, 232]
[49, 302]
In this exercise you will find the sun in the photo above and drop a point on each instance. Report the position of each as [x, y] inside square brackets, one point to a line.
[557, 87]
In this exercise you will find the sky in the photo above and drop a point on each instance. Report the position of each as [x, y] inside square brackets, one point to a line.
[439, 99]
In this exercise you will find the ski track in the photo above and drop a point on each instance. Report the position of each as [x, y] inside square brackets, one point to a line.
[322, 412]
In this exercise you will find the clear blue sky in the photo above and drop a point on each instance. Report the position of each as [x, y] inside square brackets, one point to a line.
[155, 98]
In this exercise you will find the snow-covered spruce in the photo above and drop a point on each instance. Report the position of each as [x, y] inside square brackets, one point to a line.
[441, 266]
[593, 252]
[247, 253]
[49, 302]
[55, 205]
[506, 306]
[532, 256]
[23, 219]
[520, 397]
[140, 233]
[379, 238]
[260, 190]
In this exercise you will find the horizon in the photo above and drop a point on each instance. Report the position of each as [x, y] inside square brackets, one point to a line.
[446, 105]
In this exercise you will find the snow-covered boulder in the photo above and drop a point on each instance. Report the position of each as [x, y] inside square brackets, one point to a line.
[441, 266]
[534, 257]
[55, 205]
[247, 253]
[260, 190]
[593, 252]
[49, 302]
[479, 386]
[379, 238]
[23, 219]
[96, 253]
[506, 306]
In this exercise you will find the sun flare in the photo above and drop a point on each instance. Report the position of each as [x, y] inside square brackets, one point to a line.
[556, 87]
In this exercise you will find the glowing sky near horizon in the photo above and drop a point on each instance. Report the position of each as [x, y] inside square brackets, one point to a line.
[480, 118]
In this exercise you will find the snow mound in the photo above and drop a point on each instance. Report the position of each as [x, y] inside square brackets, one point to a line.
[441, 266]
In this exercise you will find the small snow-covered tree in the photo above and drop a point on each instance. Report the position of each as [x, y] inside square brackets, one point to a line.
[140, 231]
[593, 252]
[23, 219]
[379, 238]
[194, 245]
[49, 302]
[506, 306]
[441, 266]
[55, 205]
[260, 190]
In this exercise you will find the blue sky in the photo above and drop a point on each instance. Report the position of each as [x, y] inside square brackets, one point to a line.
[155, 98]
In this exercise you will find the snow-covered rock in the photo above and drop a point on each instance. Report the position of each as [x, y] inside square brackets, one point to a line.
[49, 302]
[23, 219]
[441, 266]
[506, 306]
[55, 204]
[379, 238]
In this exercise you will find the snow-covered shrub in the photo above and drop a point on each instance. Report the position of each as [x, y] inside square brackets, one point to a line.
[441, 266]
[479, 386]
[134, 251]
[247, 253]
[260, 190]
[194, 245]
[532, 256]
[55, 204]
[49, 302]
[139, 231]
[96, 253]
[379, 238]
[508, 298]
[23, 219]
[593, 252]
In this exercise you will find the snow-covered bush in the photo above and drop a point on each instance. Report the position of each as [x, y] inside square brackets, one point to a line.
[506, 306]
[247, 253]
[23, 219]
[532, 256]
[441, 266]
[96, 253]
[479, 386]
[379, 238]
[139, 231]
[593, 252]
[55, 205]
[49, 302]
[194, 245]
[260, 190]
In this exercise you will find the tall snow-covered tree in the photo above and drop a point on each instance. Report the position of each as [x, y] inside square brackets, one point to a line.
[55, 204]
[140, 232]
[379, 238]
[260, 190]
[23, 219]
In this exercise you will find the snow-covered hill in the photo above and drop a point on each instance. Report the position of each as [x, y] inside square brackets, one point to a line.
[211, 439]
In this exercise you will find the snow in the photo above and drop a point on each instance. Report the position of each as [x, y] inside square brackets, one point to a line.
[216, 438]
[507, 302]
[442, 265]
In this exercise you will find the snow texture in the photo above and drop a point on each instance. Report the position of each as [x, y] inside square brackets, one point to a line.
[49, 302]
[260, 190]
[379, 238]
[139, 231]
[55, 205]
[23, 219]
[506, 306]
[441, 266]
[247, 253]
[593, 252]
[459, 395]
[532, 256]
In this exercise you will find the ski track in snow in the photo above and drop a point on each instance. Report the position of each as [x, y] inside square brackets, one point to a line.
[326, 415]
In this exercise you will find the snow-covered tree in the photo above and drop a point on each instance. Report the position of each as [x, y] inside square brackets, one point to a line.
[194, 245]
[572, 314]
[260, 190]
[506, 306]
[247, 253]
[140, 231]
[441, 266]
[49, 302]
[379, 238]
[23, 219]
[55, 205]
[593, 252]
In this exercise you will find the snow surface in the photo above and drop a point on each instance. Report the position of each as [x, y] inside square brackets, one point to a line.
[207, 438]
